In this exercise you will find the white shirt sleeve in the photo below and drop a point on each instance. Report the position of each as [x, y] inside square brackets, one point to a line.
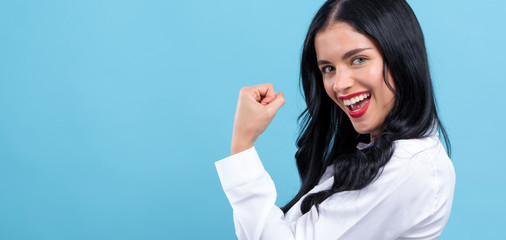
[250, 190]
[392, 207]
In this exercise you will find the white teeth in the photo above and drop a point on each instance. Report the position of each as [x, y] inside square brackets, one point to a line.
[356, 99]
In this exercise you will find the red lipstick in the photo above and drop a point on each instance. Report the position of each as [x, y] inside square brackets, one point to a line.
[360, 112]
[364, 103]
[352, 95]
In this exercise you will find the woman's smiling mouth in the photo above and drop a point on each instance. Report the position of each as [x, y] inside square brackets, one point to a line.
[356, 103]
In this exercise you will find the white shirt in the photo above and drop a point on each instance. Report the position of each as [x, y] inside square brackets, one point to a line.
[411, 199]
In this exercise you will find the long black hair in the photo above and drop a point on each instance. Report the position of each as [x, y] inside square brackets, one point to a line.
[327, 135]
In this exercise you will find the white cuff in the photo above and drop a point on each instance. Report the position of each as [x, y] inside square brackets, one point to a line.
[239, 168]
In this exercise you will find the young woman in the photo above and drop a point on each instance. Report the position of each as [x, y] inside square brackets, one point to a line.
[369, 156]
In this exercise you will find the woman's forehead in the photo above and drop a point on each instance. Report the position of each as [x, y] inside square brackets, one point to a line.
[339, 38]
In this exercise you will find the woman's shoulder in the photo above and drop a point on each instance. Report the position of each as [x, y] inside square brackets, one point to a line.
[429, 179]
[427, 169]
[407, 148]
[423, 156]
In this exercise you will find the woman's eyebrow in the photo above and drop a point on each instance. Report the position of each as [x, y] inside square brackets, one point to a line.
[353, 52]
[345, 56]
[322, 62]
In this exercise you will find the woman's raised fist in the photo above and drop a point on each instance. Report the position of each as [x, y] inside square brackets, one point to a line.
[256, 107]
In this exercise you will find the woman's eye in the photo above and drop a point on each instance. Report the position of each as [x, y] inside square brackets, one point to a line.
[327, 69]
[358, 60]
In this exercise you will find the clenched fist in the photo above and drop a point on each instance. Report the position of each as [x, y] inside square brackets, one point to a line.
[256, 107]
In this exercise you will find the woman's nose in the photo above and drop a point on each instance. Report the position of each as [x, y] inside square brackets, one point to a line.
[342, 81]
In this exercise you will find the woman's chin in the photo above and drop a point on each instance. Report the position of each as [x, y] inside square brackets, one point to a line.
[362, 128]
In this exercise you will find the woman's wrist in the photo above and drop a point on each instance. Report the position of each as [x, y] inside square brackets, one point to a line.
[239, 147]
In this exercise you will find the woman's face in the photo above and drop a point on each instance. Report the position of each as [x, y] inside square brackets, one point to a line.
[352, 69]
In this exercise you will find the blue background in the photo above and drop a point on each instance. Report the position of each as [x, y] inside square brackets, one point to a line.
[112, 113]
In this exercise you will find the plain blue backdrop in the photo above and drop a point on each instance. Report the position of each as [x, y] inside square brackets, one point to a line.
[112, 113]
